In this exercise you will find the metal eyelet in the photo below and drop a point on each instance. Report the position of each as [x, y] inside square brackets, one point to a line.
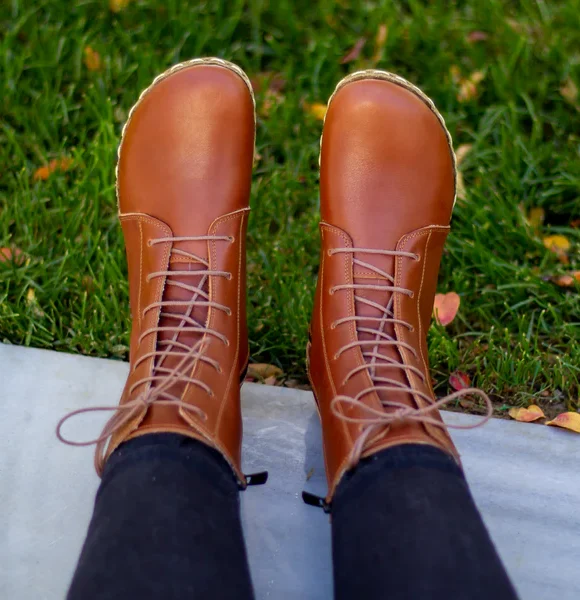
[330, 253]
[417, 257]
[333, 325]
[231, 239]
[331, 291]
[229, 312]
[230, 277]
[149, 243]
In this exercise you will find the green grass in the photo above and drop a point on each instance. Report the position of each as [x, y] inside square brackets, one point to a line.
[516, 333]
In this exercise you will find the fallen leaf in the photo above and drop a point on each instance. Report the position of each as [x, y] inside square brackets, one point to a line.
[118, 5]
[557, 243]
[354, 52]
[445, 307]
[461, 152]
[527, 415]
[310, 473]
[271, 100]
[455, 73]
[92, 59]
[459, 380]
[569, 91]
[460, 190]
[468, 89]
[14, 255]
[30, 296]
[563, 280]
[271, 380]
[316, 109]
[56, 164]
[575, 223]
[477, 36]
[536, 217]
[380, 41]
[263, 371]
[567, 420]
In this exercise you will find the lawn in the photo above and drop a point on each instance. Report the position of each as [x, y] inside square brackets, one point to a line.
[502, 73]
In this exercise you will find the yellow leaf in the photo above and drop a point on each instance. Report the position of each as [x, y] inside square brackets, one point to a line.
[455, 73]
[468, 89]
[445, 307]
[462, 152]
[557, 243]
[92, 59]
[30, 296]
[460, 185]
[316, 109]
[527, 415]
[567, 420]
[536, 217]
[263, 371]
[569, 91]
[118, 5]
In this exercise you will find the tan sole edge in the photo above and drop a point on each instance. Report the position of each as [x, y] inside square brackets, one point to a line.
[218, 62]
[400, 81]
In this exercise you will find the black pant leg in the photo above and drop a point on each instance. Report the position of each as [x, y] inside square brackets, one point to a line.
[166, 524]
[405, 527]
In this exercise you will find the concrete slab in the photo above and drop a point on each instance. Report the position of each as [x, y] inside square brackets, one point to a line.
[524, 477]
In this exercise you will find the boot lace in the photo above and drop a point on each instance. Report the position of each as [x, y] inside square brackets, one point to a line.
[156, 387]
[376, 363]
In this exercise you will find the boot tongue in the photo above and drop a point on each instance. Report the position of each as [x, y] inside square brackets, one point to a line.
[386, 299]
[181, 263]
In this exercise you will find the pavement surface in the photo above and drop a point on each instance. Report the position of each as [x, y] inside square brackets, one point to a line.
[525, 479]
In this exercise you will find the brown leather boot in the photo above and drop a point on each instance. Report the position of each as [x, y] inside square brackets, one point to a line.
[387, 190]
[183, 185]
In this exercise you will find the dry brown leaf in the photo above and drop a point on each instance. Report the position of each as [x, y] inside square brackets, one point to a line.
[263, 370]
[575, 223]
[354, 52]
[271, 100]
[310, 473]
[13, 254]
[468, 87]
[563, 280]
[459, 380]
[569, 91]
[527, 415]
[567, 420]
[380, 41]
[272, 380]
[56, 164]
[445, 307]
[92, 59]
[118, 5]
[316, 109]
[477, 36]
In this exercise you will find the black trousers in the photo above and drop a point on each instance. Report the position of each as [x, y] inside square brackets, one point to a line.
[167, 525]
